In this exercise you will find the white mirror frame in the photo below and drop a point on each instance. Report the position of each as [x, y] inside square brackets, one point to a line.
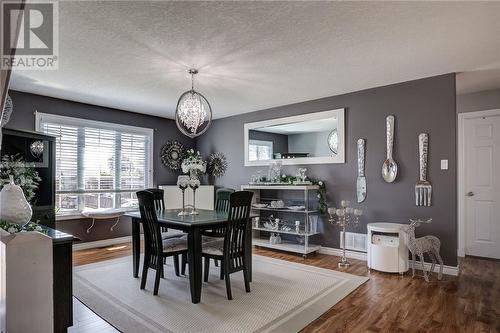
[339, 158]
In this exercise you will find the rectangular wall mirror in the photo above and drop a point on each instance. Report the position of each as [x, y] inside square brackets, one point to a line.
[313, 138]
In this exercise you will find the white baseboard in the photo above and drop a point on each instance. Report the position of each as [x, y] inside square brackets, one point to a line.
[102, 243]
[448, 270]
[338, 252]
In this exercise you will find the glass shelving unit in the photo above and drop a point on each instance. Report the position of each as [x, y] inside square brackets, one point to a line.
[292, 241]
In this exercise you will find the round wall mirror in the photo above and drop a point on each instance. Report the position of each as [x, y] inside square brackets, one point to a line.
[333, 141]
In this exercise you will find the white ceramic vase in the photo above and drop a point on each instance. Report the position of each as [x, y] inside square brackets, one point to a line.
[14, 207]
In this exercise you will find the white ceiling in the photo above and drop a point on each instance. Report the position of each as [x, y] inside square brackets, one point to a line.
[253, 55]
[470, 82]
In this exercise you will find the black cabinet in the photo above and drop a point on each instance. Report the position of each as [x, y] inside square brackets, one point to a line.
[63, 284]
[16, 142]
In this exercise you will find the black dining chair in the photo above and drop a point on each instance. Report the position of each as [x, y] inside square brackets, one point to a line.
[233, 250]
[159, 201]
[158, 197]
[221, 205]
[155, 247]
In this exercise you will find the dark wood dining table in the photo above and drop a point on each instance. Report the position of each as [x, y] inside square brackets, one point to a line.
[193, 225]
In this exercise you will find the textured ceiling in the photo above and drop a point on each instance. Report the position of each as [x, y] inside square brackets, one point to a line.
[469, 82]
[133, 55]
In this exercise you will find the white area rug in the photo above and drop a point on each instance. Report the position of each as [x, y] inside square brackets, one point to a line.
[285, 297]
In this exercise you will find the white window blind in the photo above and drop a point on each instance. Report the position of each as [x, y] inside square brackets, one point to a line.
[259, 150]
[98, 165]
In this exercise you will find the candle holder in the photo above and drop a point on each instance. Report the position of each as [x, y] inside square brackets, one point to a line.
[343, 217]
[183, 183]
[194, 184]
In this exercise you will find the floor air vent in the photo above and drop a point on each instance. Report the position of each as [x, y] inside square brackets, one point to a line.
[354, 241]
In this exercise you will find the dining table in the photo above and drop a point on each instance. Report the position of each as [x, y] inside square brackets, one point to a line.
[193, 226]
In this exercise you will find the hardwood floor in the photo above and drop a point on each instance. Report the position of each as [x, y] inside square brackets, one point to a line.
[86, 321]
[389, 302]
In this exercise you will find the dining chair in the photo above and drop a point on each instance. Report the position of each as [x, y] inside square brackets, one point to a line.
[158, 197]
[159, 203]
[232, 251]
[222, 205]
[155, 247]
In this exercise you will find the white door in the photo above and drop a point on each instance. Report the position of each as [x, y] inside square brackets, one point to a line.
[482, 186]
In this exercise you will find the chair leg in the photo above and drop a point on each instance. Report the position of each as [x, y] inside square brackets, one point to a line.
[184, 263]
[206, 268]
[176, 264]
[222, 271]
[159, 269]
[246, 277]
[228, 287]
[144, 275]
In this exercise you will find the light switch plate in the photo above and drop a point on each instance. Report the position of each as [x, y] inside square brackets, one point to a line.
[444, 164]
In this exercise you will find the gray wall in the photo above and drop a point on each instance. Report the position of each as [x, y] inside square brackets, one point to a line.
[314, 143]
[426, 105]
[165, 129]
[479, 101]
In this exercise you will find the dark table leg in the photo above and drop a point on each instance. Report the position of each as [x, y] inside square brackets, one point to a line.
[248, 255]
[194, 262]
[136, 245]
[63, 286]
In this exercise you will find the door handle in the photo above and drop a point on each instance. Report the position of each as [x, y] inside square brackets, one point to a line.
[470, 194]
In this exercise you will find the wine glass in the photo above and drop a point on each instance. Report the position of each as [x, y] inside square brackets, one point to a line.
[183, 183]
[194, 184]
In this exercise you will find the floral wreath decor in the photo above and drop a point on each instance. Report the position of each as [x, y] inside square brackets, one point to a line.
[172, 154]
[217, 164]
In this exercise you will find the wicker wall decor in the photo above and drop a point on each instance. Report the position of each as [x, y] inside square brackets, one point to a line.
[217, 164]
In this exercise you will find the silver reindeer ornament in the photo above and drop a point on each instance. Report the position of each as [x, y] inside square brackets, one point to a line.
[420, 246]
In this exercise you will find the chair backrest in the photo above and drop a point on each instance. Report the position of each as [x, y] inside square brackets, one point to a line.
[222, 199]
[238, 229]
[222, 204]
[158, 197]
[152, 235]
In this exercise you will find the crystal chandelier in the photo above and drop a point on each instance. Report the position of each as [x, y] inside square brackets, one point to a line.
[193, 114]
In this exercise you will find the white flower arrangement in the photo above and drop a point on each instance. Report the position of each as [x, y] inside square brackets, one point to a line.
[193, 162]
[24, 174]
[14, 228]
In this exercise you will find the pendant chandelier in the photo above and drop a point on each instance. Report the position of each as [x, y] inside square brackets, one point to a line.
[193, 114]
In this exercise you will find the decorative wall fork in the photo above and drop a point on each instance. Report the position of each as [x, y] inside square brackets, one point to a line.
[423, 188]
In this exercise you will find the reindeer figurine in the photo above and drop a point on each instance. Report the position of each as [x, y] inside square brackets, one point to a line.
[419, 246]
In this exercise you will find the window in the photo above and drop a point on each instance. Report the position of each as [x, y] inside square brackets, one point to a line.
[259, 150]
[98, 165]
